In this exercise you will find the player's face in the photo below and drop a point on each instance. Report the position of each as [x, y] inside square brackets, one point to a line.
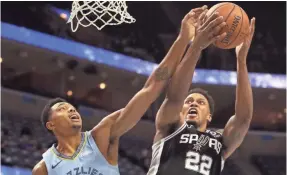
[196, 110]
[65, 119]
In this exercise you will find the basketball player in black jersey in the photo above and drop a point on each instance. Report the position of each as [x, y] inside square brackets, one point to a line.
[182, 144]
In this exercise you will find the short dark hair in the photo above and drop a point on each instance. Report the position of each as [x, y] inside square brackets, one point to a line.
[46, 111]
[206, 95]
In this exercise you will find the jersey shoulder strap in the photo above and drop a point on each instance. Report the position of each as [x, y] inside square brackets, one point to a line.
[50, 160]
[177, 131]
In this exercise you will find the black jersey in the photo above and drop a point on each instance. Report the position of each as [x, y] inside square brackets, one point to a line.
[188, 152]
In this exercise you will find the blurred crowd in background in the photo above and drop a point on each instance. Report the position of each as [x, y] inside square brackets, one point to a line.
[153, 33]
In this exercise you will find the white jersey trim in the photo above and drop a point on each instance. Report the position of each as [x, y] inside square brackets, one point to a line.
[222, 163]
[157, 150]
[170, 136]
[156, 156]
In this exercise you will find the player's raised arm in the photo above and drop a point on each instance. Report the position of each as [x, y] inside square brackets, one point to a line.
[139, 104]
[238, 125]
[206, 33]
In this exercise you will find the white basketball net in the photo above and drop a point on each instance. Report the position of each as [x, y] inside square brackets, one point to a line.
[99, 14]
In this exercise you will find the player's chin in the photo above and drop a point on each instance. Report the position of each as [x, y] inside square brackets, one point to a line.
[191, 121]
[191, 118]
[77, 126]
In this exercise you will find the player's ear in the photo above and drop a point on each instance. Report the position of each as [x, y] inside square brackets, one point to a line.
[209, 118]
[50, 125]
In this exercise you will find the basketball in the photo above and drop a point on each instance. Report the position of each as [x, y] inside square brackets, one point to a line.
[237, 24]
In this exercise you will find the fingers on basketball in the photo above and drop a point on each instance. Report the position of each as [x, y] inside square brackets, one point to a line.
[195, 13]
[214, 24]
[219, 37]
[202, 16]
[218, 28]
[211, 18]
[252, 26]
[215, 27]
[249, 37]
[199, 9]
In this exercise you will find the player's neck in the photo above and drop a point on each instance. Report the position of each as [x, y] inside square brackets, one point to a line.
[201, 129]
[68, 144]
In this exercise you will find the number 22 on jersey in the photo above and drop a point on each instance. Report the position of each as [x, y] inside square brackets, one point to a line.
[199, 163]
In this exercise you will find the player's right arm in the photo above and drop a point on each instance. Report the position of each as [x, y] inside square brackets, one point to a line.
[40, 169]
[206, 33]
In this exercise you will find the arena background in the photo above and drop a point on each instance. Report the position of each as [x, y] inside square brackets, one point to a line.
[99, 72]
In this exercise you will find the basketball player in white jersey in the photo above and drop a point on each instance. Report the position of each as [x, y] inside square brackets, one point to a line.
[182, 144]
[95, 152]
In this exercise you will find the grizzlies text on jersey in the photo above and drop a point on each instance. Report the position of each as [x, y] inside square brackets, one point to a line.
[188, 152]
[86, 160]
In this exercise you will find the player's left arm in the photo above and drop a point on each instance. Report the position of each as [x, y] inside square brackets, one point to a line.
[238, 125]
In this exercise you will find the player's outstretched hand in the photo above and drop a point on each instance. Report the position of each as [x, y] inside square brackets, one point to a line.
[242, 49]
[208, 30]
[190, 21]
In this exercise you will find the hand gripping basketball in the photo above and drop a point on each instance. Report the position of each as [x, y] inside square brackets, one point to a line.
[208, 30]
[190, 21]
[243, 48]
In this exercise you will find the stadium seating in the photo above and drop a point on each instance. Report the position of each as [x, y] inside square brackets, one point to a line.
[270, 165]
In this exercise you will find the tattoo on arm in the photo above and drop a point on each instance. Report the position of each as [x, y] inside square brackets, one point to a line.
[162, 74]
